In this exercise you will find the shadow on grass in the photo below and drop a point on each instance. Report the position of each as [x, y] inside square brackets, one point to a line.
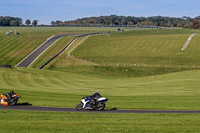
[111, 109]
[22, 104]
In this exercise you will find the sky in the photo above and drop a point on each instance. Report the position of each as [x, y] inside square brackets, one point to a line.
[51, 10]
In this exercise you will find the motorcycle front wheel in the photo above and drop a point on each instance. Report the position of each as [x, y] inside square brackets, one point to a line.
[100, 106]
[79, 106]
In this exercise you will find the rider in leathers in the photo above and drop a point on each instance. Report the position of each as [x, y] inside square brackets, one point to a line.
[9, 95]
[94, 97]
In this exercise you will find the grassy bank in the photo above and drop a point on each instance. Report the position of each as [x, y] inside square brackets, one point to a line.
[45, 88]
[143, 48]
[15, 48]
[131, 54]
[137, 70]
[127, 87]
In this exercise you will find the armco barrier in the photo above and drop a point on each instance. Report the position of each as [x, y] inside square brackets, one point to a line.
[69, 45]
[5, 66]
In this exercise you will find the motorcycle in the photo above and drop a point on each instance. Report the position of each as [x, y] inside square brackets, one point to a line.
[96, 104]
[10, 98]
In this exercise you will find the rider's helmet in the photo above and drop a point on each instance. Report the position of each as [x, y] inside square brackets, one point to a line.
[96, 92]
[12, 92]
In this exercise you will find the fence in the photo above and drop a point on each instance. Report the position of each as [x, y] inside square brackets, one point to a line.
[5, 66]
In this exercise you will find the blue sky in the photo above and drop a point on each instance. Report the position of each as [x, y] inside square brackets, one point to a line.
[48, 10]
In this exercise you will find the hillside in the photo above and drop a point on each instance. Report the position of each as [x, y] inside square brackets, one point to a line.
[16, 47]
[133, 53]
[45, 88]
[103, 63]
[150, 84]
[146, 48]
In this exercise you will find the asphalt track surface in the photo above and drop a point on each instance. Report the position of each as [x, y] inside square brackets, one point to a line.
[27, 61]
[114, 110]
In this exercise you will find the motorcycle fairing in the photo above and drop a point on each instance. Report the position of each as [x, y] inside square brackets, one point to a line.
[4, 100]
[85, 101]
[102, 99]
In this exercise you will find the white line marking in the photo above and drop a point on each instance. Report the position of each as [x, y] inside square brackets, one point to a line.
[34, 50]
[43, 52]
[187, 42]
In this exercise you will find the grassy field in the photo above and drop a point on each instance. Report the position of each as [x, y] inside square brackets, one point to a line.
[145, 48]
[132, 54]
[128, 87]
[45, 88]
[139, 69]
[62, 122]
[15, 48]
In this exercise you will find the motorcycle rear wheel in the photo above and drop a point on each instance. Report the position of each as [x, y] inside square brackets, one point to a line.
[79, 106]
[100, 106]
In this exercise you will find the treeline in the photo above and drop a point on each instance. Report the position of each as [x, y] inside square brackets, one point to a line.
[196, 23]
[160, 21]
[10, 21]
[113, 20]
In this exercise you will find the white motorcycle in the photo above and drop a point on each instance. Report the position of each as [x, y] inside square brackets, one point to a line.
[92, 104]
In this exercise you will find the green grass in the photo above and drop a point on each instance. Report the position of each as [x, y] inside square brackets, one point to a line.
[127, 87]
[166, 80]
[52, 51]
[15, 48]
[62, 60]
[146, 48]
[45, 88]
[133, 54]
[34, 122]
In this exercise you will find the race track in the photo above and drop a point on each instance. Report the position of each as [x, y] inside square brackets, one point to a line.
[27, 61]
[56, 109]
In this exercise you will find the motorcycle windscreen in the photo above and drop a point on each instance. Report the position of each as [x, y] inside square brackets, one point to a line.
[102, 99]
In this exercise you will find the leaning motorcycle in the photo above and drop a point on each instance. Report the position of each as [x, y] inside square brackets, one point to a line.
[10, 98]
[97, 104]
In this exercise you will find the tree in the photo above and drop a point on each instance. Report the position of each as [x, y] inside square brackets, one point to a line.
[196, 23]
[58, 22]
[130, 23]
[6, 22]
[52, 23]
[10, 21]
[13, 23]
[131, 20]
[179, 25]
[188, 25]
[34, 23]
[28, 22]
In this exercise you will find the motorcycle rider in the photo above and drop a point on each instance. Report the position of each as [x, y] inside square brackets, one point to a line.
[9, 95]
[94, 97]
